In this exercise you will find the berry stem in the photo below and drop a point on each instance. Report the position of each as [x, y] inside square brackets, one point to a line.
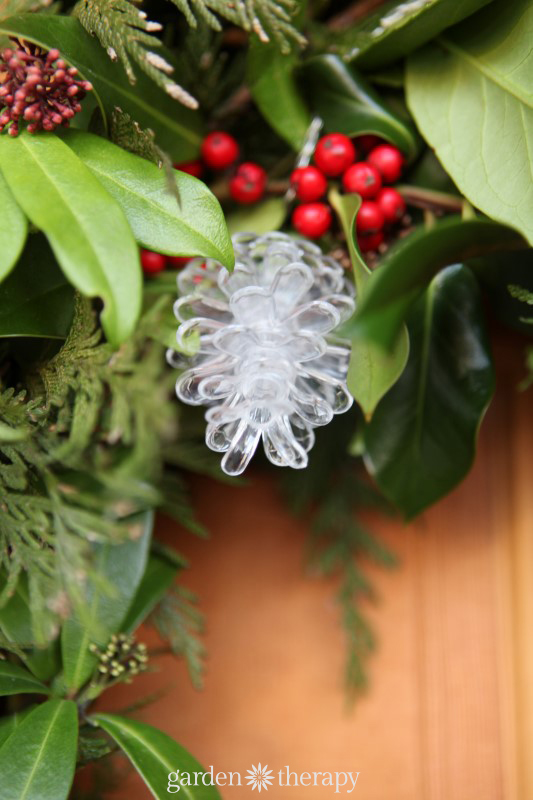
[430, 199]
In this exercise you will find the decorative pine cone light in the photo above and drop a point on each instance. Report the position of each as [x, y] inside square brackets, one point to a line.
[265, 359]
[38, 87]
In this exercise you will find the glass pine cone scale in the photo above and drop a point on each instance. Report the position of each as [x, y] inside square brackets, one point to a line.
[264, 357]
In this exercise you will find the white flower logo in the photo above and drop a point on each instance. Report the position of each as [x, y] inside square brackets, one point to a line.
[259, 777]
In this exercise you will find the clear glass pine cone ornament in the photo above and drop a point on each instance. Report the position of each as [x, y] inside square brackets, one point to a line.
[264, 356]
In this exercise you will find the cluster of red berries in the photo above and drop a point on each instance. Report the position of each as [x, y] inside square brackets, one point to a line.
[220, 151]
[38, 87]
[335, 157]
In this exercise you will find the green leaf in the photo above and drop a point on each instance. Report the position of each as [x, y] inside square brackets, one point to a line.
[409, 266]
[421, 441]
[13, 230]
[177, 129]
[262, 218]
[157, 579]
[399, 27]
[119, 569]
[347, 104]
[272, 83]
[17, 680]
[35, 299]
[8, 724]
[85, 226]
[472, 98]
[194, 227]
[155, 755]
[37, 761]
[16, 623]
[372, 371]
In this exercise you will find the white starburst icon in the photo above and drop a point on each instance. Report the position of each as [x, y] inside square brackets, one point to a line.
[259, 777]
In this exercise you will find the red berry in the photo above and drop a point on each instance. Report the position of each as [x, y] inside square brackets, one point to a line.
[219, 150]
[178, 261]
[362, 178]
[370, 242]
[152, 263]
[334, 153]
[312, 219]
[368, 142]
[388, 161]
[370, 218]
[392, 205]
[308, 183]
[194, 168]
[248, 184]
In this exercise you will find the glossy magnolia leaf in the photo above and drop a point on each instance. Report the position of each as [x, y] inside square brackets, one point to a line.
[118, 569]
[271, 80]
[409, 266]
[37, 761]
[372, 370]
[155, 755]
[157, 579]
[85, 226]
[35, 299]
[177, 129]
[347, 104]
[478, 80]
[17, 680]
[400, 26]
[13, 230]
[194, 227]
[421, 441]
[262, 218]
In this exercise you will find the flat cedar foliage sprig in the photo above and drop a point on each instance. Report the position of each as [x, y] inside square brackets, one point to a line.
[81, 452]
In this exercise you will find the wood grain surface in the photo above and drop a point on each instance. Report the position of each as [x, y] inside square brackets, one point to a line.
[449, 713]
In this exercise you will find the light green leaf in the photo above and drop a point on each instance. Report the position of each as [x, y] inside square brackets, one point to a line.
[399, 27]
[157, 579]
[17, 680]
[8, 724]
[13, 229]
[119, 568]
[262, 218]
[177, 129]
[155, 755]
[421, 441]
[194, 227]
[35, 299]
[85, 226]
[348, 104]
[37, 761]
[9, 434]
[472, 98]
[409, 266]
[271, 80]
[372, 371]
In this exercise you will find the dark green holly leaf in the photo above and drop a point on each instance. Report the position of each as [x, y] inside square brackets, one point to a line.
[271, 79]
[35, 299]
[13, 230]
[85, 226]
[177, 129]
[409, 266]
[193, 227]
[157, 579]
[372, 370]
[421, 440]
[398, 27]
[37, 761]
[17, 680]
[478, 79]
[118, 572]
[347, 104]
[155, 755]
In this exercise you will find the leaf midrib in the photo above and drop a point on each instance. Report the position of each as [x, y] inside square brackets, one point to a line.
[43, 745]
[481, 66]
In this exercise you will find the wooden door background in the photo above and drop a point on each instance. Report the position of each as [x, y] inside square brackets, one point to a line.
[449, 712]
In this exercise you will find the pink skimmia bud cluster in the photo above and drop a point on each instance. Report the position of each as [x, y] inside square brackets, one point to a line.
[39, 88]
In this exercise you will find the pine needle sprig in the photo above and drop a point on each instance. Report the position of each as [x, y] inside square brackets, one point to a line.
[179, 622]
